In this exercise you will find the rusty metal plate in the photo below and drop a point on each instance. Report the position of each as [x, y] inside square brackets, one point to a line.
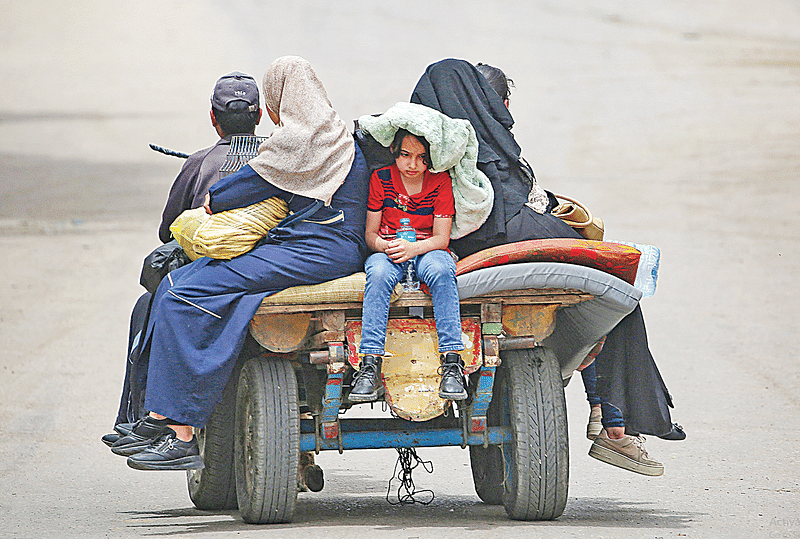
[470, 336]
[410, 367]
[536, 321]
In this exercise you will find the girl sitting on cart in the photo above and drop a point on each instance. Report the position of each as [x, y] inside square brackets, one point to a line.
[408, 189]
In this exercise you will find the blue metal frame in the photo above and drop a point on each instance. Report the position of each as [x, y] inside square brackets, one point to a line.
[333, 433]
[483, 397]
[329, 420]
[333, 397]
[388, 438]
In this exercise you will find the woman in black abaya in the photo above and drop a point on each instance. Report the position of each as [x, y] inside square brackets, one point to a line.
[627, 376]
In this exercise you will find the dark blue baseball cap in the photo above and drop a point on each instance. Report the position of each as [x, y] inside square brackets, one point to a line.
[235, 86]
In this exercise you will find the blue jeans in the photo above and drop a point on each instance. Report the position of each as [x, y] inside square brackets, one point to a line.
[612, 417]
[434, 268]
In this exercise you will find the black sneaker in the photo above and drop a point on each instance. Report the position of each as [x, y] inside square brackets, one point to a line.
[168, 453]
[120, 430]
[111, 438]
[367, 383]
[124, 428]
[145, 431]
[454, 384]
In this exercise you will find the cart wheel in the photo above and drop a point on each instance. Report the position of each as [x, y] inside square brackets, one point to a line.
[487, 472]
[267, 441]
[214, 487]
[536, 461]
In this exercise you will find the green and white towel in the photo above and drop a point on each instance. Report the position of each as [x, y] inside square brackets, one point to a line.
[454, 148]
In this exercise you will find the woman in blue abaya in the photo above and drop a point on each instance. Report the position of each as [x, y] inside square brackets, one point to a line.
[201, 312]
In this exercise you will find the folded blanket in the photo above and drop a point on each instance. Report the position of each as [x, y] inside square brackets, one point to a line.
[454, 148]
[619, 260]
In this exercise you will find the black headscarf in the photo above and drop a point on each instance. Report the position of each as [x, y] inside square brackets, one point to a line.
[458, 90]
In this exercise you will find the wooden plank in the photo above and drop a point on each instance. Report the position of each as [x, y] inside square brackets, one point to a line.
[420, 299]
[306, 307]
[332, 320]
[491, 312]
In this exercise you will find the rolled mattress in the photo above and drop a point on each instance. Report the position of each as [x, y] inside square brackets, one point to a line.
[579, 326]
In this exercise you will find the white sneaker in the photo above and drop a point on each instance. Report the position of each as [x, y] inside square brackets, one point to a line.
[628, 453]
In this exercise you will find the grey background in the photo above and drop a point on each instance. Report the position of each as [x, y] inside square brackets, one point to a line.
[678, 123]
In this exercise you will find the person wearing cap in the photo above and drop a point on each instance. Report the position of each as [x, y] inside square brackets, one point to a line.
[201, 313]
[235, 110]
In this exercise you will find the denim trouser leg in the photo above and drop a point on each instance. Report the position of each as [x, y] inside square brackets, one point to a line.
[611, 416]
[438, 270]
[382, 276]
[434, 268]
[589, 377]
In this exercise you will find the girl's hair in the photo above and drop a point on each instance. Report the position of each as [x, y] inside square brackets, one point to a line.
[397, 145]
[497, 80]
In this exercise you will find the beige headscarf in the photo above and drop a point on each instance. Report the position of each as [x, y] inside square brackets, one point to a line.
[310, 153]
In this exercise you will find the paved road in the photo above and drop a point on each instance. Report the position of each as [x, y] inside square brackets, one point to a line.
[679, 124]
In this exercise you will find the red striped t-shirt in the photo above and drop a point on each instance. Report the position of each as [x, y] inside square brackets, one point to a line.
[388, 195]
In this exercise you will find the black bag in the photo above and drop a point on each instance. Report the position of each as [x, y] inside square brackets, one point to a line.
[161, 261]
[375, 154]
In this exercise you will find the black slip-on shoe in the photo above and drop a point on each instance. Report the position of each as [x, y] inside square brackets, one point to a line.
[168, 453]
[120, 430]
[676, 434]
[145, 431]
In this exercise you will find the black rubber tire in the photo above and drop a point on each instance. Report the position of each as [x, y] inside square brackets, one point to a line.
[214, 487]
[530, 393]
[267, 441]
[487, 473]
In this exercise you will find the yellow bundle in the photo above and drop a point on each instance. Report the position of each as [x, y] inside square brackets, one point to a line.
[185, 226]
[230, 233]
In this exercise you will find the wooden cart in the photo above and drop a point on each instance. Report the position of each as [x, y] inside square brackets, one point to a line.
[290, 397]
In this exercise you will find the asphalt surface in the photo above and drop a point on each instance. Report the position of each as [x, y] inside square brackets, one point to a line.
[678, 124]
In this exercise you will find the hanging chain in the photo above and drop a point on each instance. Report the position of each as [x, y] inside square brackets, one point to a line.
[407, 460]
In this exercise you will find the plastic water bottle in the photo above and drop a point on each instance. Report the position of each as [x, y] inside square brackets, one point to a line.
[407, 232]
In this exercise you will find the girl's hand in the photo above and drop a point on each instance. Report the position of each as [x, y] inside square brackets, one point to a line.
[207, 204]
[401, 250]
